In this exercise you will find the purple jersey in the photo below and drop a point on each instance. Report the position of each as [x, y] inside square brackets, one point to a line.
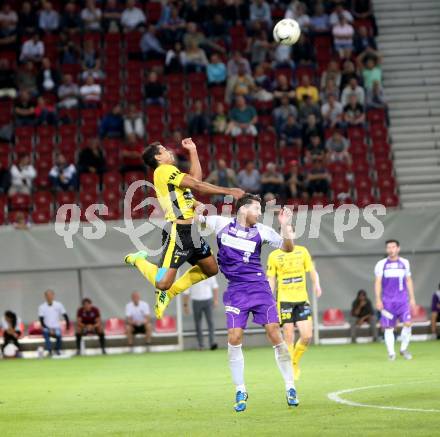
[394, 275]
[435, 304]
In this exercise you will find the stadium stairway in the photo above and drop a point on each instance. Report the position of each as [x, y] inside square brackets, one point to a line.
[409, 35]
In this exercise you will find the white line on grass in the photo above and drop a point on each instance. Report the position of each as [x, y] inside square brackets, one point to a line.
[335, 396]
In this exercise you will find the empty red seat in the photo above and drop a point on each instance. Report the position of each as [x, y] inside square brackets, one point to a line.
[418, 314]
[43, 199]
[364, 199]
[133, 176]
[166, 325]
[42, 181]
[34, 329]
[114, 326]
[333, 317]
[65, 197]
[89, 181]
[41, 215]
[20, 202]
[389, 200]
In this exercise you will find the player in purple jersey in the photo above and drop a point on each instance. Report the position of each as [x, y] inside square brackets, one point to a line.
[394, 290]
[239, 241]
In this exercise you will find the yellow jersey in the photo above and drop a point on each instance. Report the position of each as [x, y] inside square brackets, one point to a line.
[177, 203]
[290, 268]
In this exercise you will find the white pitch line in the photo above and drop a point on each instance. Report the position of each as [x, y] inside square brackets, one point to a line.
[335, 397]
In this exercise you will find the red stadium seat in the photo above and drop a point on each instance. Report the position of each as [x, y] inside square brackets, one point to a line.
[418, 314]
[43, 199]
[364, 199]
[34, 329]
[65, 197]
[41, 215]
[389, 200]
[42, 181]
[89, 181]
[165, 325]
[67, 332]
[333, 317]
[114, 326]
[20, 202]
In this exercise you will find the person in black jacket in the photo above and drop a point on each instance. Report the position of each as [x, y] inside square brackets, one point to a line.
[362, 312]
[11, 331]
[91, 159]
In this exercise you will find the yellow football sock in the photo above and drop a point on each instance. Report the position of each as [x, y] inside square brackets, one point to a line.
[148, 270]
[190, 277]
[298, 352]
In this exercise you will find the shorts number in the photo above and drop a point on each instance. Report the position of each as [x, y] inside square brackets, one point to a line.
[286, 316]
[176, 258]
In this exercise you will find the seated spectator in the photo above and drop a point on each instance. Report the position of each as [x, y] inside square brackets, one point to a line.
[259, 48]
[249, 178]
[332, 72]
[11, 331]
[22, 175]
[303, 52]
[354, 114]
[5, 179]
[372, 71]
[194, 12]
[363, 10]
[48, 77]
[222, 176]
[112, 16]
[194, 58]
[282, 56]
[241, 84]
[320, 21]
[88, 321]
[63, 175]
[91, 158]
[311, 127]
[332, 112]
[173, 59]
[235, 62]
[138, 319]
[45, 112]
[375, 97]
[154, 90]
[337, 148]
[283, 88]
[150, 45]
[132, 17]
[299, 14]
[282, 113]
[272, 181]
[353, 88]
[294, 180]
[218, 30]
[27, 19]
[112, 125]
[198, 122]
[90, 61]
[343, 33]
[260, 13]
[314, 149]
[90, 93]
[317, 180]
[193, 38]
[348, 73]
[70, 19]
[8, 28]
[216, 71]
[50, 313]
[8, 17]
[243, 119]
[219, 120]
[132, 155]
[21, 221]
[68, 93]
[291, 134]
[435, 313]
[8, 87]
[48, 20]
[27, 78]
[308, 108]
[338, 13]
[172, 26]
[363, 41]
[262, 79]
[133, 122]
[69, 52]
[362, 312]
[330, 88]
[32, 49]
[24, 110]
[306, 88]
[91, 17]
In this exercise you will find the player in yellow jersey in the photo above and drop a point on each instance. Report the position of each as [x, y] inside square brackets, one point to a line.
[180, 237]
[286, 272]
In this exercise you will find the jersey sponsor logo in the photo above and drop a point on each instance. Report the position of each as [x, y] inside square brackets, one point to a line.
[174, 175]
[238, 243]
[230, 309]
[294, 280]
[394, 273]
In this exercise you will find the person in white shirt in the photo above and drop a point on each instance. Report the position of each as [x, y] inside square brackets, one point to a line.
[204, 296]
[132, 17]
[90, 92]
[353, 88]
[50, 314]
[22, 175]
[32, 49]
[48, 20]
[63, 176]
[138, 316]
[91, 16]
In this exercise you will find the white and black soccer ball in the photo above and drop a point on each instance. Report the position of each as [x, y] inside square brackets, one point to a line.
[286, 31]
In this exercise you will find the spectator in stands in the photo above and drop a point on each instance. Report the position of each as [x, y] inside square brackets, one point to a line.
[299, 13]
[48, 77]
[343, 33]
[5, 179]
[235, 62]
[8, 37]
[173, 59]
[154, 91]
[91, 158]
[241, 84]
[216, 71]
[111, 16]
[22, 175]
[330, 88]
[332, 72]
[348, 73]
[303, 52]
[68, 93]
[314, 149]
[375, 97]
[363, 41]
[317, 180]
[21, 221]
[194, 58]
[150, 45]
[138, 319]
[32, 49]
[24, 109]
[338, 13]
[320, 21]
[8, 17]
[243, 119]
[435, 313]
[371, 71]
[91, 17]
[198, 121]
[291, 134]
[90, 93]
[11, 330]
[249, 178]
[312, 127]
[70, 20]
[8, 86]
[306, 88]
[353, 88]
[362, 312]
[27, 19]
[363, 10]
[45, 112]
[69, 52]
[283, 88]
[172, 26]
[132, 155]
[218, 31]
[307, 108]
[90, 61]
[332, 112]
[50, 313]
[272, 181]
[88, 321]
[219, 120]
[281, 113]
[132, 17]
[193, 39]
[294, 180]
[354, 114]
[282, 56]
[222, 176]
[49, 19]
[260, 13]
[27, 78]
[112, 125]
[259, 47]
[133, 122]
[204, 297]
[63, 176]
[337, 148]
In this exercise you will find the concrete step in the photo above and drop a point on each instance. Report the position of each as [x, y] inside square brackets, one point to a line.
[433, 189]
[401, 144]
[414, 112]
[421, 205]
[408, 21]
[411, 90]
[404, 96]
[417, 104]
[410, 66]
[411, 81]
[410, 45]
[429, 139]
[419, 197]
[408, 16]
[431, 154]
[401, 163]
[398, 59]
[416, 129]
[428, 171]
[405, 37]
[390, 8]
[415, 29]
[419, 179]
[413, 74]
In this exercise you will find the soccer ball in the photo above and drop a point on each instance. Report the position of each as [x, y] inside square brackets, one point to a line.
[286, 32]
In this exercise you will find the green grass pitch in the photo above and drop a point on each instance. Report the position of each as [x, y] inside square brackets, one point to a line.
[190, 394]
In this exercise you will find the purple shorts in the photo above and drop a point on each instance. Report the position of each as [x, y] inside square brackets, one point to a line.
[394, 311]
[241, 299]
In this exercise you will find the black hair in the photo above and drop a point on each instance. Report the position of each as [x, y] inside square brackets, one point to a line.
[12, 317]
[149, 154]
[247, 199]
[361, 292]
[86, 300]
[392, 241]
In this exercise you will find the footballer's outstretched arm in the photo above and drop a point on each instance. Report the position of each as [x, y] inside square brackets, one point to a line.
[195, 169]
[285, 218]
[315, 281]
[410, 286]
[206, 188]
[378, 292]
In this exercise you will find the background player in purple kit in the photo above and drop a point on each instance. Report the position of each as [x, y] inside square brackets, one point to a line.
[394, 290]
[239, 241]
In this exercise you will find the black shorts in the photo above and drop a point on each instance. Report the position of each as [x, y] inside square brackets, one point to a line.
[292, 312]
[182, 243]
[139, 329]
